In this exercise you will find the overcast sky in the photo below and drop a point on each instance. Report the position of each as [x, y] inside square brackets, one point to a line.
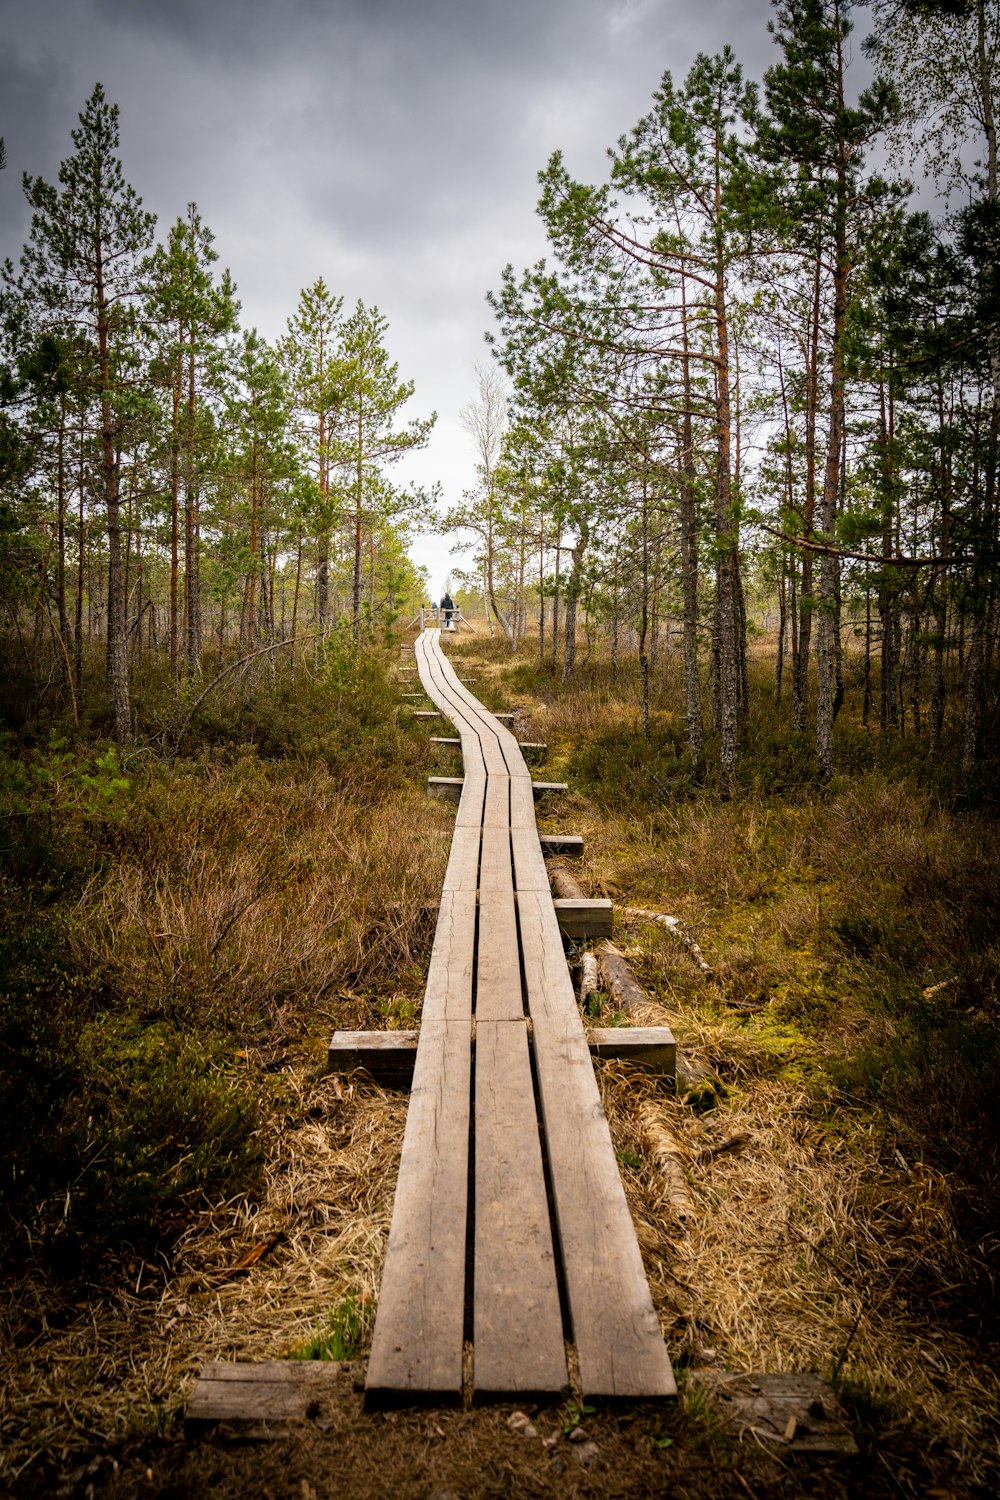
[390, 146]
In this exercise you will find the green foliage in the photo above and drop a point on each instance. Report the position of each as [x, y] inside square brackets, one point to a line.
[574, 1414]
[343, 1335]
[623, 768]
[112, 1127]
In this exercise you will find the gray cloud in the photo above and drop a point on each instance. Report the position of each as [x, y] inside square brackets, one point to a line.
[389, 145]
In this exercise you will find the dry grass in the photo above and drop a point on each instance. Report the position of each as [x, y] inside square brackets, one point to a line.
[804, 1253]
[816, 1243]
[250, 889]
[829, 1241]
[76, 1375]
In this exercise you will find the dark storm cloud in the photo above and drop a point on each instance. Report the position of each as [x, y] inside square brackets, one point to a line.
[390, 146]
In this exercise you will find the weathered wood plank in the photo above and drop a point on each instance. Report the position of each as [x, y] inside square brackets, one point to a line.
[580, 917]
[449, 787]
[389, 1056]
[262, 1400]
[417, 1344]
[546, 974]
[530, 873]
[522, 802]
[448, 993]
[495, 871]
[569, 844]
[470, 808]
[462, 873]
[615, 1328]
[425, 713]
[496, 813]
[498, 973]
[517, 1322]
[540, 788]
[652, 1048]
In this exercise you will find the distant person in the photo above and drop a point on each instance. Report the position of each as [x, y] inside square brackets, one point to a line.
[447, 609]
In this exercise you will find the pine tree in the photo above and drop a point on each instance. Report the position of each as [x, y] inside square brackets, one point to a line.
[83, 259]
[310, 356]
[368, 439]
[193, 314]
[827, 205]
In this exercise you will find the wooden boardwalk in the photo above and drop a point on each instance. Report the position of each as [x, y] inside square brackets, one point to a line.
[510, 1228]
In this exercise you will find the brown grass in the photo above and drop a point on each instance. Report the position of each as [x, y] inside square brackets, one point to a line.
[75, 1375]
[252, 889]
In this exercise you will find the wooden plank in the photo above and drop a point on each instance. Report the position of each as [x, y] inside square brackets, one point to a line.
[496, 813]
[530, 873]
[652, 1048]
[448, 993]
[470, 808]
[522, 802]
[495, 866]
[546, 974]
[389, 1056]
[539, 788]
[263, 1400]
[453, 743]
[569, 844]
[498, 973]
[425, 713]
[449, 787]
[518, 1344]
[417, 1345]
[462, 873]
[580, 917]
[615, 1328]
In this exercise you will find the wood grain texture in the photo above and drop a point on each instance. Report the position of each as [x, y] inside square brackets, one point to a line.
[263, 1400]
[580, 917]
[462, 873]
[568, 844]
[517, 1323]
[448, 992]
[417, 1345]
[389, 1056]
[615, 1328]
[530, 873]
[522, 803]
[496, 871]
[498, 971]
[449, 787]
[546, 975]
[652, 1048]
[496, 813]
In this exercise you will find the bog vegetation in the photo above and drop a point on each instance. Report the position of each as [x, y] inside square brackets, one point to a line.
[734, 535]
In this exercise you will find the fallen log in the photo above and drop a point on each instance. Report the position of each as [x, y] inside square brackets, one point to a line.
[641, 914]
[668, 1157]
[619, 981]
[589, 980]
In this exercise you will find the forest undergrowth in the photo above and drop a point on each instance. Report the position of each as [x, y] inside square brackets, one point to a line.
[182, 932]
[851, 1025]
